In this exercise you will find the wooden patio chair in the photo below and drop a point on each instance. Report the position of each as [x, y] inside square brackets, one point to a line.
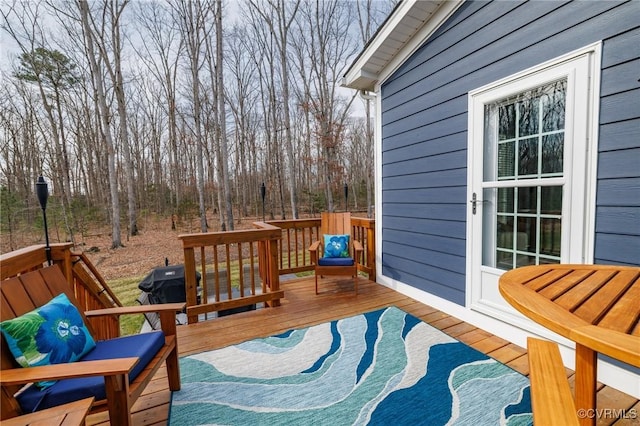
[551, 399]
[327, 260]
[71, 414]
[114, 372]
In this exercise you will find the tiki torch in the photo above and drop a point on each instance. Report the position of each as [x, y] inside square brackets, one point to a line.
[42, 190]
[263, 192]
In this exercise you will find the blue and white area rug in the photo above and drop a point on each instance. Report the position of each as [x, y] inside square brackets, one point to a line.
[381, 368]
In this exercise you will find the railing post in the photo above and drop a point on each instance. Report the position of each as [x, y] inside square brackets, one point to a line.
[371, 251]
[191, 286]
[274, 272]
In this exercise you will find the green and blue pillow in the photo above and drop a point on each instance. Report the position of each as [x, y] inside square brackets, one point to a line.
[336, 245]
[51, 334]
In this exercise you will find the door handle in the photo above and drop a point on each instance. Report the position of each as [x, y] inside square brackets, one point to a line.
[474, 203]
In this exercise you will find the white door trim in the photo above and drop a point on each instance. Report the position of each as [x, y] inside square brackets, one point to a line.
[584, 103]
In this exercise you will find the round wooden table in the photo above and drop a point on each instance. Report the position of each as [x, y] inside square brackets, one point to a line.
[596, 306]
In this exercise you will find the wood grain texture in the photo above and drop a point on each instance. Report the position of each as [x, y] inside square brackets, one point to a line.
[71, 414]
[599, 312]
[551, 397]
[301, 307]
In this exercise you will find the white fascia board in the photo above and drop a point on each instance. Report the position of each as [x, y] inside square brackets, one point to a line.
[363, 80]
[353, 77]
[360, 64]
[439, 17]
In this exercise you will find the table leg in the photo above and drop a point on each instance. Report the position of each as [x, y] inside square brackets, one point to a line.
[585, 384]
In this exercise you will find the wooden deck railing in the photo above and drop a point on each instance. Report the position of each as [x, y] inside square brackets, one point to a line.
[238, 268]
[230, 264]
[298, 234]
[89, 287]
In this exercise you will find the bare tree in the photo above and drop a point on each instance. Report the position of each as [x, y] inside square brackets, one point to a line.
[98, 84]
[242, 95]
[265, 61]
[219, 120]
[106, 35]
[192, 18]
[224, 151]
[329, 47]
[53, 74]
[161, 50]
[279, 15]
[197, 118]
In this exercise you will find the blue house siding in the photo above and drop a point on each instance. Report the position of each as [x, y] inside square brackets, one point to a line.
[424, 129]
[618, 192]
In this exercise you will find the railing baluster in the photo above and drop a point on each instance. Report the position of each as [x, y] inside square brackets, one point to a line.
[241, 269]
[216, 273]
[252, 269]
[228, 263]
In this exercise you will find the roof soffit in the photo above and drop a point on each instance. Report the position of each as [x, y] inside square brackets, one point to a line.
[412, 22]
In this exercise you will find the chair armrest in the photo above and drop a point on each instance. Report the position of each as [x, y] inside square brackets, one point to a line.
[315, 250]
[167, 313]
[71, 413]
[142, 309]
[551, 397]
[109, 367]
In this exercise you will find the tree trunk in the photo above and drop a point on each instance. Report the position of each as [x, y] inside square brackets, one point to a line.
[122, 114]
[106, 130]
[224, 151]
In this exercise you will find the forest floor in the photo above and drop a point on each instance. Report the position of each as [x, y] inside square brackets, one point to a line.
[156, 240]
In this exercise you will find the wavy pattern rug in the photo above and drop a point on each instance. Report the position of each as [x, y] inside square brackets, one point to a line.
[381, 368]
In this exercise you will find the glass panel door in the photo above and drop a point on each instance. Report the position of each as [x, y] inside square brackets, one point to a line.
[523, 177]
[532, 147]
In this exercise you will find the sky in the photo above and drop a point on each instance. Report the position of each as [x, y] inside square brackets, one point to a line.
[9, 49]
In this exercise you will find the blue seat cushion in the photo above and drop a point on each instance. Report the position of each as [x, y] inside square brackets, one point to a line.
[335, 261]
[144, 346]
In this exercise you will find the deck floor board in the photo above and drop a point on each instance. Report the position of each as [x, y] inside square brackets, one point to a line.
[303, 308]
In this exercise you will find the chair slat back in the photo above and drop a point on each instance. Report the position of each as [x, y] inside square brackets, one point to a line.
[336, 223]
[28, 291]
[19, 295]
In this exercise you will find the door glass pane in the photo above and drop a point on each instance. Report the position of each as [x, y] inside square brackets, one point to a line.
[528, 117]
[506, 160]
[552, 153]
[528, 229]
[528, 157]
[507, 122]
[524, 139]
[551, 200]
[527, 234]
[550, 237]
[528, 200]
[553, 106]
[504, 260]
[525, 260]
[505, 200]
[505, 232]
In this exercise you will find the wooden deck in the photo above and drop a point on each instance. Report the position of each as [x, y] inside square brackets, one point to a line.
[302, 308]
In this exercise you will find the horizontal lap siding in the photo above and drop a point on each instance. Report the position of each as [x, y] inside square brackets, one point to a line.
[424, 125]
[617, 237]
